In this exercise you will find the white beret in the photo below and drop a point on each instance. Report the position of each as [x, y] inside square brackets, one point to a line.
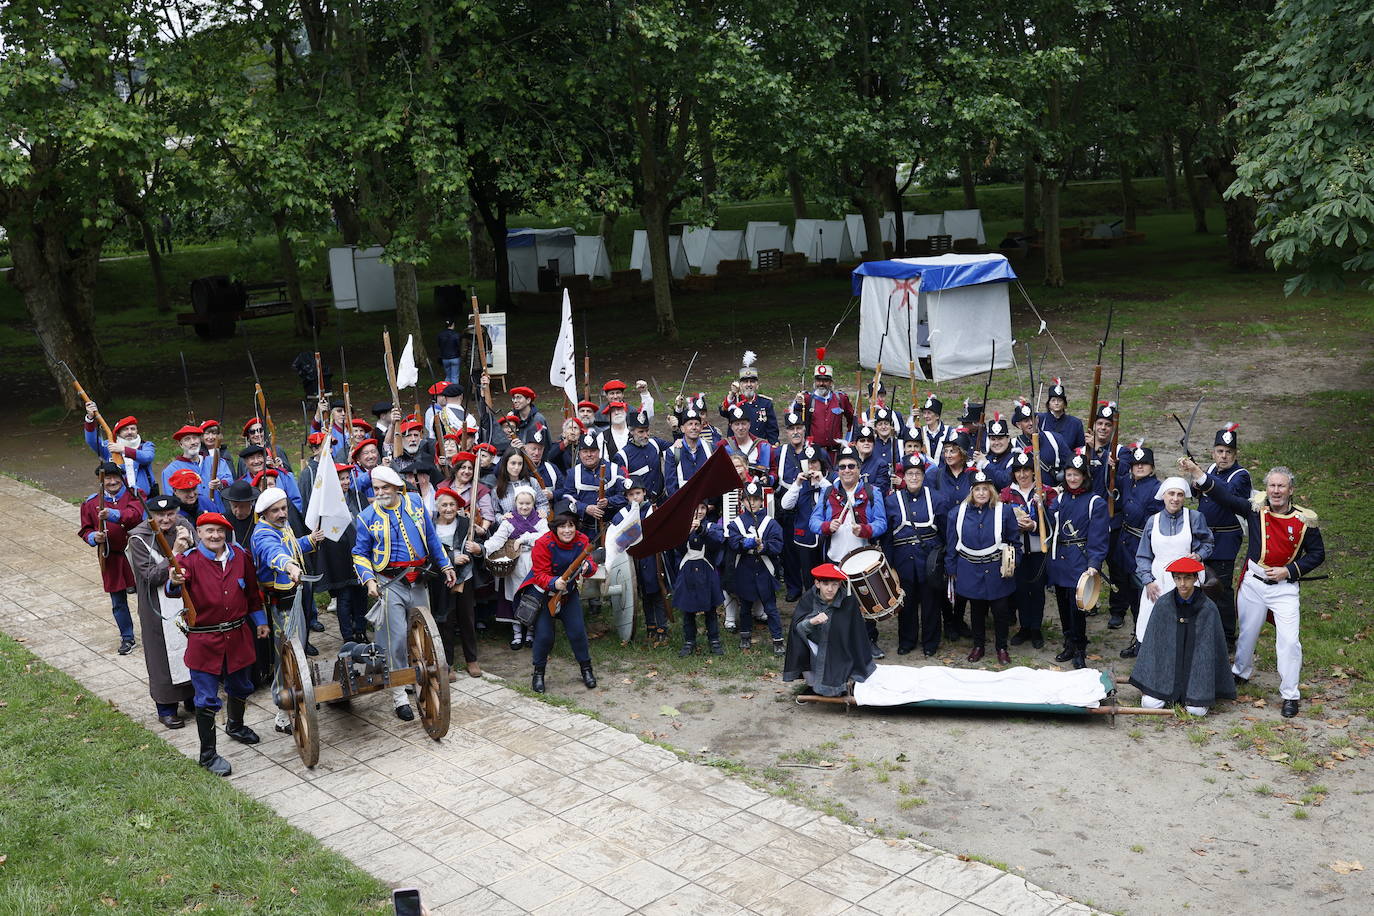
[385, 474]
[269, 498]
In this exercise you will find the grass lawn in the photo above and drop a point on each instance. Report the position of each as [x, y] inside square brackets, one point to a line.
[96, 815]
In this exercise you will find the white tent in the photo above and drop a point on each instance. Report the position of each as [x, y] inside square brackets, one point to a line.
[965, 224]
[858, 239]
[766, 237]
[527, 250]
[751, 229]
[946, 314]
[694, 243]
[924, 225]
[822, 238]
[722, 245]
[639, 255]
[590, 256]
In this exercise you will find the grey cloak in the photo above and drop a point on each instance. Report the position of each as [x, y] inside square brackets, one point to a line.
[149, 576]
[843, 651]
[1183, 658]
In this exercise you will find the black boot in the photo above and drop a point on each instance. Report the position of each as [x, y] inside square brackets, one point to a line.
[588, 677]
[717, 648]
[687, 649]
[1132, 650]
[233, 725]
[537, 681]
[1066, 655]
[779, 649]
[205, 724]
[1080, 659]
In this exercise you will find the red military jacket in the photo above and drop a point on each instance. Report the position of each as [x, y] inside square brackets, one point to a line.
[221, 593]
[117, 576]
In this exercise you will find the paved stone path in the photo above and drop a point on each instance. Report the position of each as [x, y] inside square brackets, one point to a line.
[524, 806]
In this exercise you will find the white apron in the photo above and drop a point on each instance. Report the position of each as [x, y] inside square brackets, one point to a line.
[1166, 549]
[172, 637]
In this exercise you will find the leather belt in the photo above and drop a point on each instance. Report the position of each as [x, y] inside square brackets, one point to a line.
[218, 627]
[1268, 581]
[1076, 542]
[1225, 528]
[990, 558]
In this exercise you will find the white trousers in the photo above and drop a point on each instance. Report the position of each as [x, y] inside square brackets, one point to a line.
[1149, 702]
[1253, 599]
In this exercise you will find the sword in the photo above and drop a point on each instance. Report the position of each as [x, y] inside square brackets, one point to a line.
[1188, 430]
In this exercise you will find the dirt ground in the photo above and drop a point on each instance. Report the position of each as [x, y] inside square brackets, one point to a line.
[1144, 816]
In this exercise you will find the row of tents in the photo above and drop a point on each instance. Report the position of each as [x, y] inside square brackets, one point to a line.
[563, 252]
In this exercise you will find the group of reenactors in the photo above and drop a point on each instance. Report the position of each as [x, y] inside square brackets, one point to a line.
[479, 513]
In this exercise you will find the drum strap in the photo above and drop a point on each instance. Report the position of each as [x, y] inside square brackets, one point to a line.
[754, 533]
[979, 554]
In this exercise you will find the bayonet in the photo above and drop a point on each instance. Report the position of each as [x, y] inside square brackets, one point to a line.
[186, 388]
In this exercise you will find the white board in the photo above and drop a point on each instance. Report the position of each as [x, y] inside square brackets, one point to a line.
[376, 281]
[722, 245]
[965, 224]
[341, 280]
[494, 324]
[590, 255]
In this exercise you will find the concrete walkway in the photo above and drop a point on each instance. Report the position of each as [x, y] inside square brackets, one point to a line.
[523, 807]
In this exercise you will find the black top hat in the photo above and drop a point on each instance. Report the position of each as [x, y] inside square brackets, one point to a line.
[109, 467]
[792, 418]
[913, 463]
[588, 441]
[1022, 460]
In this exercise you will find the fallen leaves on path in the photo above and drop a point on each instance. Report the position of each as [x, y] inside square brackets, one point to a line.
[1341, 867]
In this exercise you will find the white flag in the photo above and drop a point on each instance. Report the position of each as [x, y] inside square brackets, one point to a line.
[406, 373]
[563, 370]
[327, 511]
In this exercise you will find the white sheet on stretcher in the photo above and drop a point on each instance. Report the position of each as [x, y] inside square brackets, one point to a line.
[894, 685]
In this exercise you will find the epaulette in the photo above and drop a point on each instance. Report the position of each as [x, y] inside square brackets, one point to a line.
[1309, 518]
[1258, 500]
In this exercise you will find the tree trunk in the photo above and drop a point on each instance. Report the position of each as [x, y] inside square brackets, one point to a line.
[1128, 201]
[408, 308]
[1239, 213]
[1170, 168]
[286, 251]
[655, 213]
[346, 215]
[480, 249]
[1029, 198]
[1049, 213]
[606, 229]
[797, 192]
[873, 227]
[164, 299]
[58, 287]
[706, 145]
[966, 176]
[493, 215]
[1190, 185]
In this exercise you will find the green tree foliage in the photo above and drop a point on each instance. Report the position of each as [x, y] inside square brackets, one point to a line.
[1306, 115]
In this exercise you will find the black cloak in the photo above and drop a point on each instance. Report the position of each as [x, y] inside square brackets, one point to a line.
[843, 650]
[1183, 658]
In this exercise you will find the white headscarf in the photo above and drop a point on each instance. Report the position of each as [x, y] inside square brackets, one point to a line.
[1176, 483]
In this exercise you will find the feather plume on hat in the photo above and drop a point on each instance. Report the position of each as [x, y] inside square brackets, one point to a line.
[749, 358]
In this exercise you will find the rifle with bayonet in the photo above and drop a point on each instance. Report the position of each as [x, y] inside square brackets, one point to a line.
[976, 434]
[1116, 436]
[394, 431]
[260, 399]
[102, 550]
[481, 350]
[1097, 370]
[186, 388]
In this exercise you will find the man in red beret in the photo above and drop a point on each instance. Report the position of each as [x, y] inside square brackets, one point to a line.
[215, 469]
[255, 433]
[137, 454]
[185, 486]
[218, 580]
[107, 516]
[188, 439]
[1183, 659]
[828, 644]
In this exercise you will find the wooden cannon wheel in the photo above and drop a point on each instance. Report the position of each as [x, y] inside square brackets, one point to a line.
[432, 691]
[296, 697]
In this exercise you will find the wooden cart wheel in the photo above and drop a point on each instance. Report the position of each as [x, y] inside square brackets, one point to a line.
[296, 697]
[432, 692]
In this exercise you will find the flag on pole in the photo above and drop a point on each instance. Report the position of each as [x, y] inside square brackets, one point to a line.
[406, 372]
[327, 511]
[671, 522]
[563, 370]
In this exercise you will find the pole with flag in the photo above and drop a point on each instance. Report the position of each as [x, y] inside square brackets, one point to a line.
[328, 512]
[563, 369]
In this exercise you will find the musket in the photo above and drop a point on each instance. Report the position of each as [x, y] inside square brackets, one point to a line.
[1097, 370]
[103, 550]
[394, 431]
[325, 420]
[663, 587]
[1188, 430]
[802, 406]
[556, 599]
[1116, 433]
[260, 399]
[481, 351]
[348, 403]
[186, 388]
[474, 516]
[982, 423]
[1039, 486]
[601, 491]
[187, 604]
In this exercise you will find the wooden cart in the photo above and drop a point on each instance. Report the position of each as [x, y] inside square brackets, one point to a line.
[359, 670]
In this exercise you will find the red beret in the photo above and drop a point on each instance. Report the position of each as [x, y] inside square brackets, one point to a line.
[265, 472]
[342, 467]
[614, 384]
[438, 388]
[409, 425]
[1184, 565]
[580, 425]
[252, 421]
[127, 421]
[185, 479]
[464, 456]
[614, 405]
[581, 404]
[510, 418]
[448, 491]
[454, 436]
[315, 438]
[527, 392]
[829, 571]
[359, 447]
[486, 447]
[207, 425]
[186, 431]
[362, 424]
[213, 518]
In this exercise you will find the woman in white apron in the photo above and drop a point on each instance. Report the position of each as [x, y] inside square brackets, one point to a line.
[1176, 532]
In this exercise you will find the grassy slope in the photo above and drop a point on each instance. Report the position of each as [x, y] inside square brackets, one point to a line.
[95, 813]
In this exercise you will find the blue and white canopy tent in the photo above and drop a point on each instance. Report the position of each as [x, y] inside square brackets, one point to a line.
[942, 314]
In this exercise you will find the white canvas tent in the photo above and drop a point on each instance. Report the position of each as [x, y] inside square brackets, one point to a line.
[694, 243]
[590, 255]
[924, 225]
[527, 250]
[766, 237]
[965, 224]
[721, 245]
[639, 255]
[858, 239]
[944, 313]
[822, 238]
